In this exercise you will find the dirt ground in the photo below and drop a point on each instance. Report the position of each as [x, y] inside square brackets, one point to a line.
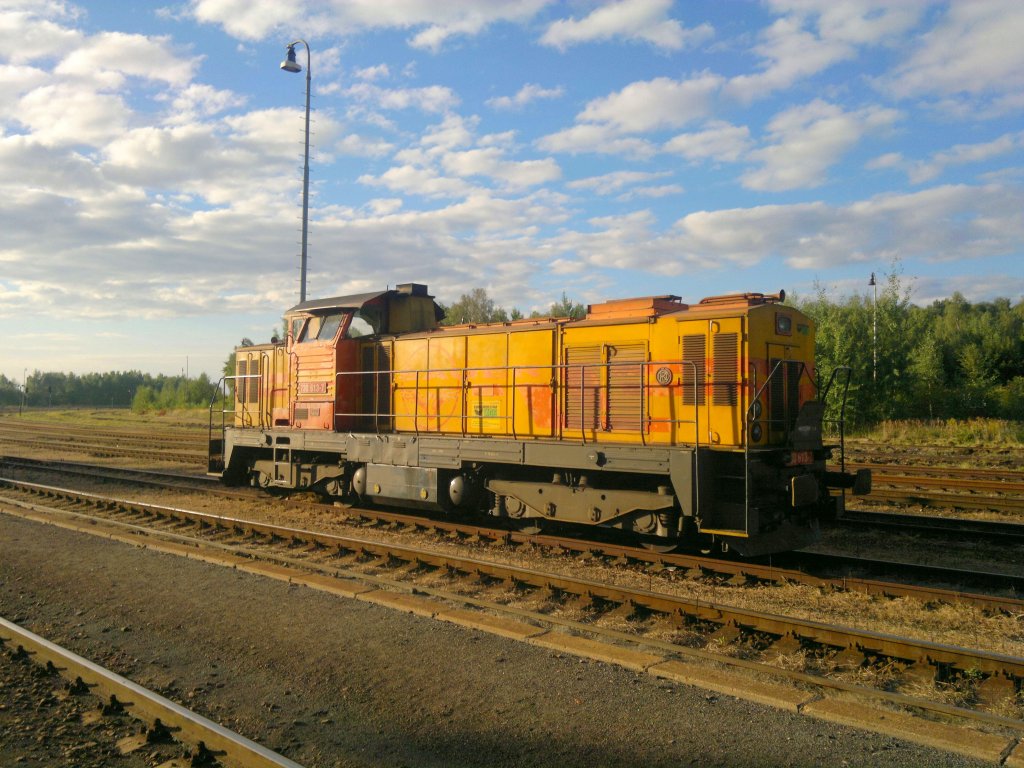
[328, 681]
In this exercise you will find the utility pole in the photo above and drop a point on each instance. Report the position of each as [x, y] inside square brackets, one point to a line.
[874, 328]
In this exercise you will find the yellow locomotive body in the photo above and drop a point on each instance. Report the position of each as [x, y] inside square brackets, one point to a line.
[679, 423]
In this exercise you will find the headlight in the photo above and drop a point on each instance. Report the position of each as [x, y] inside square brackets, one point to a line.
[755, 411]
[755, 433]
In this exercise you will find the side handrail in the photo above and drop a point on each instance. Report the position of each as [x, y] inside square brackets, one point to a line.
[412, 381]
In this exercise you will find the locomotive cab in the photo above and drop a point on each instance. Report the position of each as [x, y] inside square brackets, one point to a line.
[327, 346]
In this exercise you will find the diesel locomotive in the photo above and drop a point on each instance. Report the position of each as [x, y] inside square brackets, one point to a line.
[697, 425]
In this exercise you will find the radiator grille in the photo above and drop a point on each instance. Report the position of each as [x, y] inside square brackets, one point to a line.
[625, 386]
[725, 369]
[254, 383]
[582, 387]
[240, 384]
[695, 351]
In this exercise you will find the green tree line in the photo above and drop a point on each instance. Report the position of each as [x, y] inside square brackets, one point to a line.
[951, 359]
[114, 389]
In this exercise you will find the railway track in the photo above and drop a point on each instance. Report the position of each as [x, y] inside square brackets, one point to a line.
[982, 489]
[652, 631]
[824, 571]
[991, 531]
[209, 743]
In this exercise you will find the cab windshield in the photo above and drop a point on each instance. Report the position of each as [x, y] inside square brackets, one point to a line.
[321, 328]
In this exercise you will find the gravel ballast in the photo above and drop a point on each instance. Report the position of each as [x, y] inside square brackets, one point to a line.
[329, 681]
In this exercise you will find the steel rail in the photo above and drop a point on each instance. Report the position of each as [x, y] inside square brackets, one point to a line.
[107, 450]
[996, 531]
[925, 656]
[789, 567]
[954, 500]
[228, 747]
[545, 619]
[1002, 477]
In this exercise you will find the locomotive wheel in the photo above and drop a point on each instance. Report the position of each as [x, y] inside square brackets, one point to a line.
[661, 547]
[531, 526]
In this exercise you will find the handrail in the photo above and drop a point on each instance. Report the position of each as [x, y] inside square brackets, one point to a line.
[512, 383]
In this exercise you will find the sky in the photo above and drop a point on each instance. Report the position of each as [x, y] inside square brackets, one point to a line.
[151, 159]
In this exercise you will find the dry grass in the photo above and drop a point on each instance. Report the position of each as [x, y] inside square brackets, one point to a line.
[986, 433]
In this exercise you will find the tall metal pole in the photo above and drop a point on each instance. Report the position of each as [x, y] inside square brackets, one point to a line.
[290, 65]
[874, 327]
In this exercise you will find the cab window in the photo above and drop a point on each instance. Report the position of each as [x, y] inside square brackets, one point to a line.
[330, 326]
[365, 322]
[310, 330]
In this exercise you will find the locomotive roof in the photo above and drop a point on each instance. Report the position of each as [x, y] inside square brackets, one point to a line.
[355, 301]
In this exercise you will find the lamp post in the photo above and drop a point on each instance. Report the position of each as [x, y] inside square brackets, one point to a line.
[874, 327]
[291, 65]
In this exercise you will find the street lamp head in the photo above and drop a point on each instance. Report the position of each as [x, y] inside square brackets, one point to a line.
[290, 64]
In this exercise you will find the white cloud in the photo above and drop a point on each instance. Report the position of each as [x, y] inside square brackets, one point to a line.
[361, 146]
[633, 20]
[490, 162]
[417, 180]
[377, 72]
[198, 100]
[661, 190]
[789, 53]
[591, 137]
[814, 35]
[963, 154]
[108, 56]
[610, 183]
[435, 22]
[450, 152]
[807, 140]
[718, 141]
[63, 114]
[942, 224]
[528, 93]
[974, 49]
[432, 98]
[28, 32]
[652, 104]
[453, 131]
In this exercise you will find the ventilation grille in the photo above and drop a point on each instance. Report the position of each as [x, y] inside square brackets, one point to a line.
[254, 383]
[725, 369]
[582, 387]
[694, 351]
[240, 384]
[626, 387]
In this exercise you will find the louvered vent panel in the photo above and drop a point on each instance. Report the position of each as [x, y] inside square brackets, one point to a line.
[725, 369]
[776, 393]
[240, 384]
[695, 351]
[625, 387]
[582, 387]
[254, 383]
[795, 368]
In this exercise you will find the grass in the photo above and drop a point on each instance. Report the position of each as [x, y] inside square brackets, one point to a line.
[987, 433]
[115, 418]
